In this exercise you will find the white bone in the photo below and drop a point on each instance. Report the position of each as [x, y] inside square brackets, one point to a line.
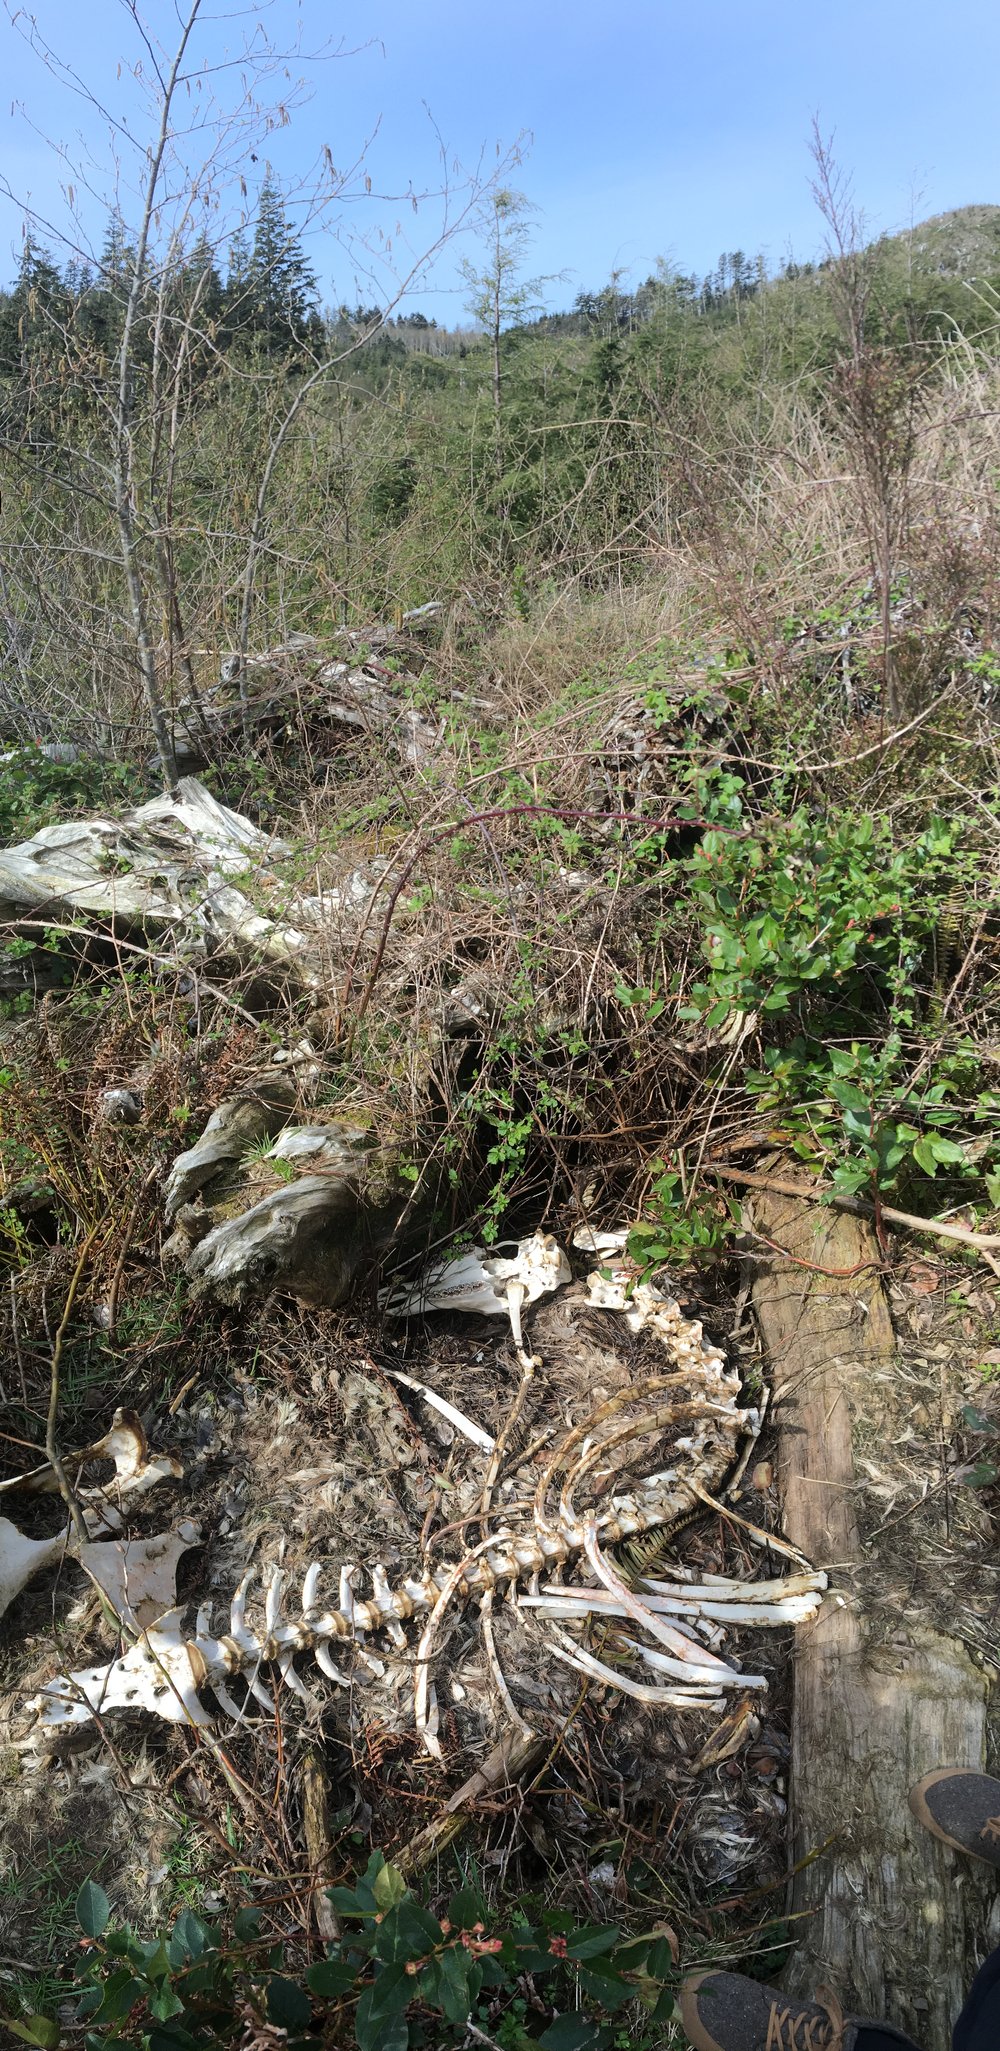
[259, 1692]
[383, 1598]
[164, 1674]
[272, 1600]
[136, 1468]
[226, 1702]
[21, 1557]
[676, 1641]
[294, 1681]
[479, 1281]
[464, 1424]
[310, 1588]
[665, 1698]
[590, 1241]
[139, 1576]
[345, 1593]
[327, 1666]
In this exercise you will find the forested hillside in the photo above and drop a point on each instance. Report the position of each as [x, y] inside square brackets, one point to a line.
[422, 463]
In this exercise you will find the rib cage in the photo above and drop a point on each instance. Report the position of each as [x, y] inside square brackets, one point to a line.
[168, 1674]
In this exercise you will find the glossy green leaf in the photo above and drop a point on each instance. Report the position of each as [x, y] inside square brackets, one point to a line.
[408, 1932]
[572, 2033]
[388, 1887]
[288, 2005]
[380, 2023]
[93, 1909]
[331, 1977]
[34, 2029]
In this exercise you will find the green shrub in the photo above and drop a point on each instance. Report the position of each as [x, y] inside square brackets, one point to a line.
[397, 1970]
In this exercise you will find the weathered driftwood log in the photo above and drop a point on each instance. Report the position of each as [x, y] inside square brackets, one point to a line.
[258, 1114]
[161, 871]
[302, 1216]
[294, 684]
[889, 1919]
[308, 1240]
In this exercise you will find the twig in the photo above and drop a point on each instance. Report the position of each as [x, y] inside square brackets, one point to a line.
[429, 841]
[18, 1349]
[66, 1490]
[814, 1268]
[986, 1244]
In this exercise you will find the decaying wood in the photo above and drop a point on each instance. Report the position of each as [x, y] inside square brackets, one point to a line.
[315, 1792]
[893, 1922]
[162, 872]
[504, 1767]
[237, 1124]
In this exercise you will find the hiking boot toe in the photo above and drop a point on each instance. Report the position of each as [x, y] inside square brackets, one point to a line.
[962, 1809]
[726, 2012]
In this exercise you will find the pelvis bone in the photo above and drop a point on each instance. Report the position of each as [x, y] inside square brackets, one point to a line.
[136, 1471]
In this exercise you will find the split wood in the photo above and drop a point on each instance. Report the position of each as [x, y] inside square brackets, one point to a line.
[315, 1792]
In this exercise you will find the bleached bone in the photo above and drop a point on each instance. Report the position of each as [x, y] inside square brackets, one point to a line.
[169, 1676]
[161, 1670]
[492, 1284]
[684, 1696]
[136, 1471]
[136, 1468]
[21, 1557]
[464, 1424]
[139, 1575]
[747, 1602]
[588, 1240]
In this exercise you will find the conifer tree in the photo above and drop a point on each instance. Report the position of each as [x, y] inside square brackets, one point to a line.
[281, 287]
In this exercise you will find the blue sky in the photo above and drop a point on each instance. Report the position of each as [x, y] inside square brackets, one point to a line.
[658, 129]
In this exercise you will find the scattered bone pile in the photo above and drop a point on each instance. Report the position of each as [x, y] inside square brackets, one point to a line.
[667, 1635]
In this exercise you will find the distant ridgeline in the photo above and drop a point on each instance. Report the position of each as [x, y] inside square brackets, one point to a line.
[425, 459]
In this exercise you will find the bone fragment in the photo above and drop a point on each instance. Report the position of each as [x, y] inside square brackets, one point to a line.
[21, 1557]
[139, 1575]
[136, 1468]
[464, 1424]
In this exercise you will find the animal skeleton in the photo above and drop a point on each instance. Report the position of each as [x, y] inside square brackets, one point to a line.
[168, 1674]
